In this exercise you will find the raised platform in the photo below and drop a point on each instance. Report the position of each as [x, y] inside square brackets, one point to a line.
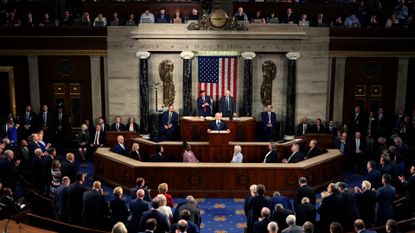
[218, 179]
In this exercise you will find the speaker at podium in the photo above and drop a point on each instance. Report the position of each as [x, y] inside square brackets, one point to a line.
[218, 137]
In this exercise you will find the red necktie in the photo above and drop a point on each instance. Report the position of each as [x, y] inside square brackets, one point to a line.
[204, 108]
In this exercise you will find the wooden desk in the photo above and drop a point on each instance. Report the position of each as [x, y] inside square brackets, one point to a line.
[242, 129]
[254, 152]
[225, 180]
[21, 227]
[111, 137]
[324, 140]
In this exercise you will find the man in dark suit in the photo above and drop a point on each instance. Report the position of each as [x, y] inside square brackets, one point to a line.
[409, 189]
[95, 207]
[189, 204]
[305, 212]
[227, 105]
[141, 184]
[150, 226]
[385, 197]
[366, 201]
[38, 179]
[269, 122]
[191, 227]
[256, 204]
[158, 156]
[61, 199]
[104, 126]
[349, 212]
[318, 127]
[204, 104]
[120, 147]
[304, 127]
[373, 175]
[252, 193]
[260, 226]
[27, 122]
[358, 121]
[359, 227]
[289, 17]
[304, 191]
[358, 152]
[277, 198]
[75, 199]
[61, 127]
[218, 123]
[383, 123]
[272, 155]
[9, 170]
[331, 129]
[296, 156]
[117, 125]
[170, 123]
[162, 17]
[314, 150]
[46, 123]
[137, 207]
[68, 167]
[329, 208]
[280, 215]
[96, 139]
[162, 224]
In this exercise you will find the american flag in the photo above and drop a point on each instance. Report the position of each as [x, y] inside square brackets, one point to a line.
[218, 74]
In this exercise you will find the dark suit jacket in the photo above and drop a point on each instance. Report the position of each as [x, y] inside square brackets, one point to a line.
[137, 208]
[165, 19]
[159, 158]
[265, 119]
[300, 129]
[94, 208]
[296, 157]
[119, 211]
[305, 212]
[293, 229]
[61, 123]
[261, 226]
[366, 202]
[288, 18]
[12, 207]
[304, 191]
[284, 201]
[329, 211]
[136, 155]
[385, 197]
[121, 127]
[69, 169]
[49, 121]
[8, 173]
[174, 121]
[280, 217]
[358, 123]
[272, 157]
[313, 152]
[409, 188]
[191, 228]
[255, 206]
[223, 106]
[147, 196]
[101, 138]
[75, 201]
[214, 126]
[352, 144]
[201, 110]
[162, 224]
[374, 177]
[315, 129]
[61, 202]
[195, 216]
[333, 130]
[31, 121]
[349, 212]
[119, 150]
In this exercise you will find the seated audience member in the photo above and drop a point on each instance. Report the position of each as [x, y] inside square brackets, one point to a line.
[373, 22]
[272, 227]
[304, 22]
[67, 19]
[318, 127]
[352, 22]
[296, 156]
[158, 156]
[117, 125]
[162, 189]
[289, 17]
[178, 17]
[137, 207]
[7, 200]
[83, 138]
[292, 227]
[191, 227]
[277, 198]
[100, 21]
[204, 104]
[269, 122]
[280, 215]
[141, 184]
[120, 148]
[119, 227]
[258, 18]
[29, 21]
[161, 221]
[115, 20]
[190, 204]
[193, 15]
[401, 13]
[147, 17]
[337, 23]
[306, 212]
[131, 21]
[188, 155]
[241, 15]
[366, 202]
[162, 17]
[164, 209]
[96, 139]
[263, 221]
[314, 149]
[304, 127]
[392, 22]
[237, 155]
[135, 152]
[132, 126]
[46, 21]
[272, 155]
[170, 123]
[336, 227]
[272, 18]
[85, 19]
[320, 22]
[119, 210]
[218, 123]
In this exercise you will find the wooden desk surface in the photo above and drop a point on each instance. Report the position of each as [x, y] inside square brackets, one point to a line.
[21, 227]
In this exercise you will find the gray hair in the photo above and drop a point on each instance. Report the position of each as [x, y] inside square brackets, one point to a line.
[291, 219]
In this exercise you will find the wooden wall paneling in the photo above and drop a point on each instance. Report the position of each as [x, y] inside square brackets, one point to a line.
[410, 91]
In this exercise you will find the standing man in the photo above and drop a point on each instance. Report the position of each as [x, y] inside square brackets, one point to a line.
[204, 104]
[46, 122]
[227, 105]
[117, 125]
[218, 123]
[170, 121]
[27, 121]
[269, 122]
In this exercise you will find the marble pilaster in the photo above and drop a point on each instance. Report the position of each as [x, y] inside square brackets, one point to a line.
[291, 92]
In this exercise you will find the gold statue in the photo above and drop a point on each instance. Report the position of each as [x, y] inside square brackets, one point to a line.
[166, 68]
[269, 71]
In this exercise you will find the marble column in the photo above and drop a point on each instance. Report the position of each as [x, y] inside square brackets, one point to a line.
[248, 77]
[34, 83]
[144, 91]
[291, 92]
[338, 98]
[187, 82]
[401, 82]
[96, 86]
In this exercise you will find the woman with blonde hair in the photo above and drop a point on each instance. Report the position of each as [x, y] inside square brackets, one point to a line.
[163, 188]
[237, 155]
[119, 210]
[83, 138]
